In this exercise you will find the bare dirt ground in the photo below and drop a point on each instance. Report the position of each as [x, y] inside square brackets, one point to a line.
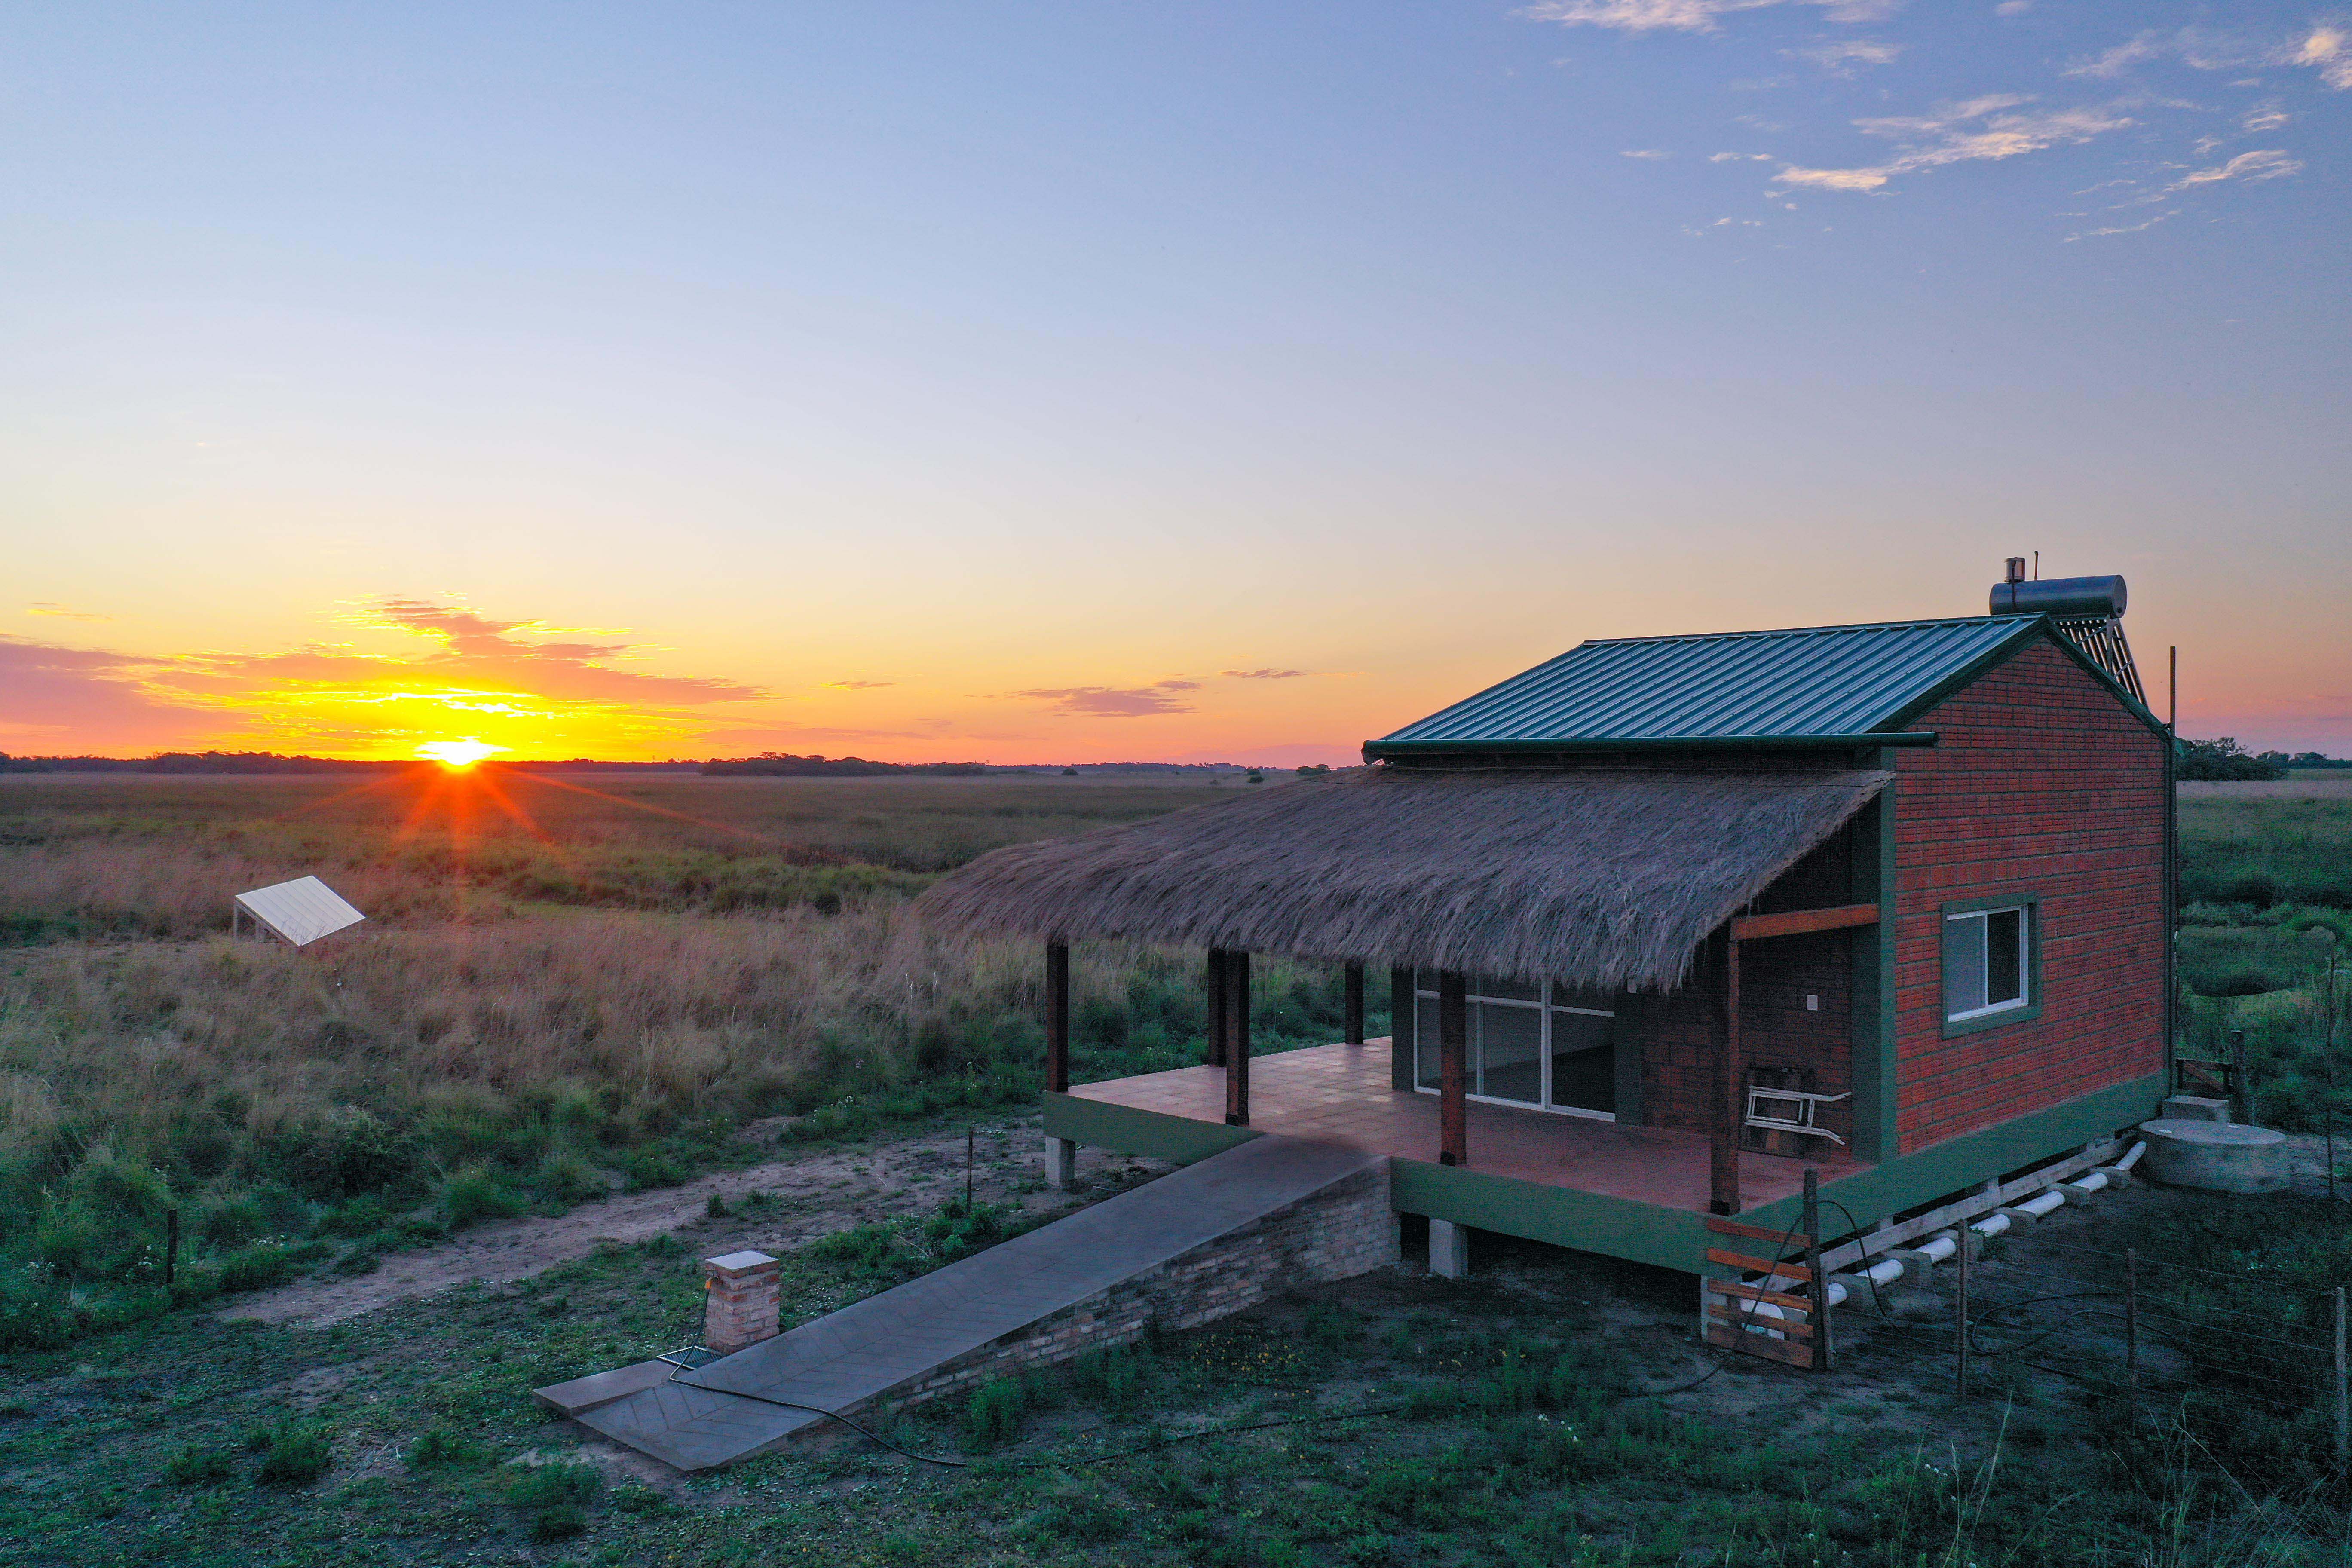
[815, 1194]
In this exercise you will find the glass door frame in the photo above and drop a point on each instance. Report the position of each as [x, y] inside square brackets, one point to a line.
[1543, 1004]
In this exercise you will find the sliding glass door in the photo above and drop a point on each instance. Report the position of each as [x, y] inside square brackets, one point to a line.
[1554, 1052]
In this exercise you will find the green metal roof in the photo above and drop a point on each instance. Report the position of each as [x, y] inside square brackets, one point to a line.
[1808, 686]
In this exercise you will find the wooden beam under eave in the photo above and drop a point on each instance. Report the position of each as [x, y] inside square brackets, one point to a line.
[1798, 922]
[1057, 1017]
[1730, 1097]
[1453, 1068]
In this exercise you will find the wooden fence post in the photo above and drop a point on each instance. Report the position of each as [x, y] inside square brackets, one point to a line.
[1820, 1285]
[2343, 1406]
[1960, 1279]
[2131, 1331]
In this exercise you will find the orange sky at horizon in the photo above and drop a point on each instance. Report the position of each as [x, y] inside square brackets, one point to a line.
[403, 677]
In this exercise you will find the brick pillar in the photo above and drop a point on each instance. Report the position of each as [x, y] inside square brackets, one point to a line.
[738, 1300]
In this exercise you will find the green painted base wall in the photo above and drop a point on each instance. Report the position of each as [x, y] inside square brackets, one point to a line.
[1621, 1227]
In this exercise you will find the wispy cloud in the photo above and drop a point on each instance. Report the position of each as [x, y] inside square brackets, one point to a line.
[1977, 129]
[63, 612]
[2267, 164]
[857, 685]
[1684, 16]
[1843, 56]
[478, 649]
[71, 699]
[1262, 674]
[1115, 702]
[1644, 153]
[1739, 157]
[2328, 49]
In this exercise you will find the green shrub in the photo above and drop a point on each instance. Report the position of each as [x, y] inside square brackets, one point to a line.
[261, 1266]
[474, 1195]
[1117, 1378]
[442, 1447]
[195, 1466]
[119, 1190]
[348, 1152]
[655, 1167]
[562, 1522]
[635, 1499]
[992, 1415]
[567, 1178]
[362, 1215]
[551, 1486]
[35, 1315]
[299, 1454]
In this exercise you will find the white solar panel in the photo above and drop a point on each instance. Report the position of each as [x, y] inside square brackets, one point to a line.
[302, 910]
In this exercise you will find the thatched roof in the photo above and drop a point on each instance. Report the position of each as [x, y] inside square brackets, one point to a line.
[1607, 879]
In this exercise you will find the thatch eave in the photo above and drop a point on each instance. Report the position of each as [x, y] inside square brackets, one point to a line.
[1607, 879]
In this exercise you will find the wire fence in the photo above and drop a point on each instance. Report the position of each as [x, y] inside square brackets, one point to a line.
[2146, 1343]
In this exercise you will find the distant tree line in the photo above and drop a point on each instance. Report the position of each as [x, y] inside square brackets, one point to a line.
[785, 764]
[194, 763]
[2225, 759]
[273, 762]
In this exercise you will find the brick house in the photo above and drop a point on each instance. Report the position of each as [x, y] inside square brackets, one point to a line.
[1671, 922]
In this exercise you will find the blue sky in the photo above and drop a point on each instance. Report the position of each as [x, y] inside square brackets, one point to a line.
[1025, 381]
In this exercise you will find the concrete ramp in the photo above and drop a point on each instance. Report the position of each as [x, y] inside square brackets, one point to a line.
[1197, 1244]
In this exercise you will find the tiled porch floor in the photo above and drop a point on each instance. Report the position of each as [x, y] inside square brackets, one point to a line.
[1340, 1094]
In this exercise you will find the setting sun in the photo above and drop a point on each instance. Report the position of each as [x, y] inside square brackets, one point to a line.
[462, 754]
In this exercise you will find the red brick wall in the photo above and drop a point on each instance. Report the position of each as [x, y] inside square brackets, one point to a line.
[1776, 1029]
[2043, 784]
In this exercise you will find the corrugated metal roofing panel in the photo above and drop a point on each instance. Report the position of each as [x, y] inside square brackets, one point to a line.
[1809, 681]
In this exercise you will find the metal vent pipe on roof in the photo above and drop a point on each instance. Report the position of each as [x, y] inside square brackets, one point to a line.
[2067, 598]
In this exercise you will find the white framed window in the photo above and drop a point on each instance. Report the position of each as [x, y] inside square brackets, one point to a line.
[1989, 962]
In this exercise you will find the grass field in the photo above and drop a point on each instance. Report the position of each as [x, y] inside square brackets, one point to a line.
[1508, 1427]
[572, 986]
[564, 986]
[2266, 888]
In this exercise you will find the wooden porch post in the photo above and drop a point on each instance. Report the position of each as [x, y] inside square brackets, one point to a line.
[1355, 1004]
[1237, 1040]
[1216, 1007]
[1453, 1070]
[1730, 1086]
[1057, 1017]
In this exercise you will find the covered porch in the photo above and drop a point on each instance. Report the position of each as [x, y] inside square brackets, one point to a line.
[1541, 890]
[1342, 1094]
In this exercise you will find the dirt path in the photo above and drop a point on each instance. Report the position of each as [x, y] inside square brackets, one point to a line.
[815, 1193]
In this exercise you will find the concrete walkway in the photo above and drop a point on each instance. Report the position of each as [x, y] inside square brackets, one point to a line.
[887, 1342]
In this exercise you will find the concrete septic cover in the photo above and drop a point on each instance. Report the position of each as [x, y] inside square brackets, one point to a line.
[2218, 1156]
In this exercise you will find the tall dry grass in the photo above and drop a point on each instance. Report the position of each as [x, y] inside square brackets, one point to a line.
[658, 1019]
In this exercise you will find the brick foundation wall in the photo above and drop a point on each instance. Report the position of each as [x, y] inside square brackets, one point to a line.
[2043, 784]
[1346, 1229]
